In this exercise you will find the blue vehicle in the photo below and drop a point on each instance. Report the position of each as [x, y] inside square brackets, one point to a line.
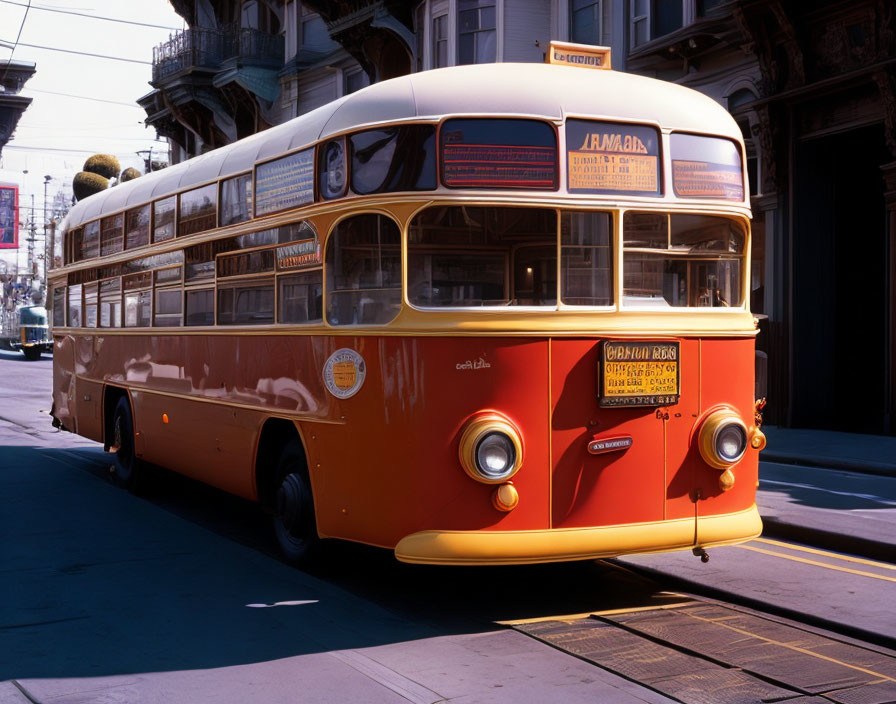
[26, 328]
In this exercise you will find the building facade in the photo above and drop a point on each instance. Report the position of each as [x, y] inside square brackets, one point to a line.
[812, 86]
[13, 75]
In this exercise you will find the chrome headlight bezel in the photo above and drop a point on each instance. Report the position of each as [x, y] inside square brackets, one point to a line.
[715, 431]
[497, 431]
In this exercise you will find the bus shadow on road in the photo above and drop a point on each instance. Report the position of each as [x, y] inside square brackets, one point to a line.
[99, 582]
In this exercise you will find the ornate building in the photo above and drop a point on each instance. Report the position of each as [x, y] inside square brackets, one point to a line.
[813, 86]
[13, 75]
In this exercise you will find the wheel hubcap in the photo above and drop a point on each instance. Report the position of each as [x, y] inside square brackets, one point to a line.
[289, 503]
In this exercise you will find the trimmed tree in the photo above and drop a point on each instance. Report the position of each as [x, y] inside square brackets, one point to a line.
[86, 184]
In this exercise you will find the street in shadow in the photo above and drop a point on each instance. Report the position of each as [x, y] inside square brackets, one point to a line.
[99, 582]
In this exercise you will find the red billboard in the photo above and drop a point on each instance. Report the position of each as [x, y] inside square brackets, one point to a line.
[9, 216]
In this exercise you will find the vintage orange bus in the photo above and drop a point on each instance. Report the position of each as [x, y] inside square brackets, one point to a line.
[487, 314]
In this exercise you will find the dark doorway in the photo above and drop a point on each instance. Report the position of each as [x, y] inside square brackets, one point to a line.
[839, 283]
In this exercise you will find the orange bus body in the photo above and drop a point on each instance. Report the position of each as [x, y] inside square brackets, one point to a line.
[386, 461]
[384, 465]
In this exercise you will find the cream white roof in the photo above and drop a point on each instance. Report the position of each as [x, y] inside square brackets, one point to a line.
[539, 90]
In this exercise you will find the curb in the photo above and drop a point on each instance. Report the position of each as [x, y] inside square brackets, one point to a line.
[881, 469]
[829, 540]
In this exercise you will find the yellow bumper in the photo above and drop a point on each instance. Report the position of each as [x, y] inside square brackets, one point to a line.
[446, 547]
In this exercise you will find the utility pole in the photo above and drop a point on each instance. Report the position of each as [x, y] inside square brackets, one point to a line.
[48, 246]
[32, 232]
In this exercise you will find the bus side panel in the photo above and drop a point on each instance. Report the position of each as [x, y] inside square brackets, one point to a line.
[682, 452]
[596, 490]
[727, 378]
[64, 381]
[392, 469]
[88, 395]
[89, 404]
[210, 442]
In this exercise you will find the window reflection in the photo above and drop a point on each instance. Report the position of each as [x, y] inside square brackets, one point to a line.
[483, 256]
[363, 271]
[682, 260]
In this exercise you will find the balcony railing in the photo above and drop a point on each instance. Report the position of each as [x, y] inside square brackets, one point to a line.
[209, 48]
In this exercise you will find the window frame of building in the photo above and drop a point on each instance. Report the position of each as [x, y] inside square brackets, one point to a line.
[439, 41]
[349, 76]
[597, 8]
[420, 37]
[645, 13]
[479, 6]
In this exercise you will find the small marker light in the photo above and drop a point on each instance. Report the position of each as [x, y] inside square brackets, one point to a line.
[505, 497]
[165, 418]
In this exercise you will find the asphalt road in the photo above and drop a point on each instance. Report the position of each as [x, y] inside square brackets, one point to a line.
[179, 596]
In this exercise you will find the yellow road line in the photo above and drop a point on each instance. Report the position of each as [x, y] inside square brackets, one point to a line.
[608, 612]
[796, 648]
[826, 553]
[817, 563]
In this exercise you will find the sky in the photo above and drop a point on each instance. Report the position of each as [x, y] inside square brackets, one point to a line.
[98, 112]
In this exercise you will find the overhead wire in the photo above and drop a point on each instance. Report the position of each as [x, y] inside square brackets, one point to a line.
[52, 149]
[93, 17]
[82, 97]
[16, 43]
[83, 53]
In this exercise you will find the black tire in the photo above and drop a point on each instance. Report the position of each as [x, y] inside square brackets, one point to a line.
[32, 354]
[129, 470]
[294, 522]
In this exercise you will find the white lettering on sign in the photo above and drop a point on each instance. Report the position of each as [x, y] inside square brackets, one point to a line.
[473, 364]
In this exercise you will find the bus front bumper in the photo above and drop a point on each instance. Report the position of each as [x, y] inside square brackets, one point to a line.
[446, 547]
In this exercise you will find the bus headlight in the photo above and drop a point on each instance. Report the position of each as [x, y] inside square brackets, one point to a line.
[723, 439]
[490, 449]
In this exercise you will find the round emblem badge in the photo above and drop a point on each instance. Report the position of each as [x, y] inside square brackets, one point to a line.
[344, 373]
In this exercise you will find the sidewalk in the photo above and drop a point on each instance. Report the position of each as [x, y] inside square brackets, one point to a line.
[869, 454]
[831, 490]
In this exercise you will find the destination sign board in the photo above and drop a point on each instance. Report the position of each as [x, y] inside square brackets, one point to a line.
[706, 167]
[300, 254]
[499, 166]
[284, 183]
[612, 158]
[702, 179]
[582, 55]
[639, 373]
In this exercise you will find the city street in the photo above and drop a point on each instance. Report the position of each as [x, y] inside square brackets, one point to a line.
[179, 597]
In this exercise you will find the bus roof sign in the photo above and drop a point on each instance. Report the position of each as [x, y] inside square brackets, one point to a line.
[584, 55]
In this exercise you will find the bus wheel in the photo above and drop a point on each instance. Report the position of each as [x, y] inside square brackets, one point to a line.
[31, 353]
[128, 469]
[294, 525]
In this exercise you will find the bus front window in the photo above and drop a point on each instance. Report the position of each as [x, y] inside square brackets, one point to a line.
[673, 260]
[466, 256]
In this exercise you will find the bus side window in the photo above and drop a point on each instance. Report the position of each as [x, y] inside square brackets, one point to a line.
[363, 271]
[299, 297]
[199, 306]
[167, 307]
[74, 306]
[110, 303]
[59, 306]
[91, 297]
